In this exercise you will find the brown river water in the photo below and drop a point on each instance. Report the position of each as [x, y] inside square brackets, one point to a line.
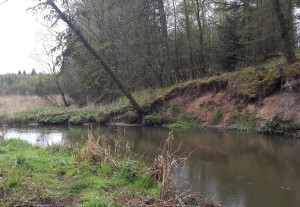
[239, 169]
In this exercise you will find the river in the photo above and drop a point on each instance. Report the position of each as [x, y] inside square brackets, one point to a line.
[239, 169]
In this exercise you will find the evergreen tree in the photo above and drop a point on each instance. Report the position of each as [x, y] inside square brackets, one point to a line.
[33, 72]
[231, 47]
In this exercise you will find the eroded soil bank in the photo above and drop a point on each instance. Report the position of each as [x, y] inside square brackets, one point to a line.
[261, 99]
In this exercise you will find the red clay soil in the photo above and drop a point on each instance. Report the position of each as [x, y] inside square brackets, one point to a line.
[281, 106]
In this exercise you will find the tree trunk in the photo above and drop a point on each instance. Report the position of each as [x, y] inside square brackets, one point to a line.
[178, 78]
[201, 39]
[166, 51]
[285, 34]
[61, 91]
[98, 58]
[189, 39]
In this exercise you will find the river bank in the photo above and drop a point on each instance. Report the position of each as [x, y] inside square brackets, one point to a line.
[262, 99]
[95, 174]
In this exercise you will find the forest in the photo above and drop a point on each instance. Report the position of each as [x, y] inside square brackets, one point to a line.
[152, 44]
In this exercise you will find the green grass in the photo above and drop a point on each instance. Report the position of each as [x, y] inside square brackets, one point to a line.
[51, 115]
[181, 120]
[243, 122]
[54, 176]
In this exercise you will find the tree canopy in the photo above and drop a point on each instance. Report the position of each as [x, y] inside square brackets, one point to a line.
[157, 43]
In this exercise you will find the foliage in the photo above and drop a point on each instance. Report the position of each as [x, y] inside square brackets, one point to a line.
[279, 128]
[230, 38]
[153, 119]
[17, 84]
[205, 37]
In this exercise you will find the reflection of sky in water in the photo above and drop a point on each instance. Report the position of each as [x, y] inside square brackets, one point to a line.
[35, 137]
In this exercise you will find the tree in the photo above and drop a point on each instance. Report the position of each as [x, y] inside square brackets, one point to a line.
[50, 62]
[98, 58]
[33, 72]
[229, 37]
[201, 34]
[166, 50]
[285, 28]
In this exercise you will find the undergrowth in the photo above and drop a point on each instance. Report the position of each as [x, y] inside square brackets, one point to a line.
[279, 128]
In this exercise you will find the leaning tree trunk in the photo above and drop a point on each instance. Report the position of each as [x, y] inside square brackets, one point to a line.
[98, 58]
[285, 34]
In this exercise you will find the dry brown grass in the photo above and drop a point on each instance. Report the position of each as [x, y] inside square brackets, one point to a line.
[101, 149]
[161, 170]
[17, 103]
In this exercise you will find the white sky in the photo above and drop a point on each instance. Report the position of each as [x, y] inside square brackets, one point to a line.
[18, 37]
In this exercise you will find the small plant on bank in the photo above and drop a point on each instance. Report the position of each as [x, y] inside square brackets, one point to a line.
[152, 120]
[216, 118]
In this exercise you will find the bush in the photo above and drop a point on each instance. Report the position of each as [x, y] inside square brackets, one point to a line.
[278, 128]
[152, 120]
[76, 120]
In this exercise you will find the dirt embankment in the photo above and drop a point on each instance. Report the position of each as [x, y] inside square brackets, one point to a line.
[270, 94]
[279, 107]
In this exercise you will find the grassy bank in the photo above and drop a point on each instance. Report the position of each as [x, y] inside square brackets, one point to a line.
[33, 110]
[96, 174]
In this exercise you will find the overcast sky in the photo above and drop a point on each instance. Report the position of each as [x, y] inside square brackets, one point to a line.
[18, 37]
